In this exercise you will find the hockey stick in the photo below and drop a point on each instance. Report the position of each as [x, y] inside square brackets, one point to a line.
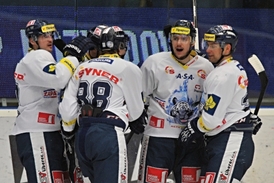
[129, 136]
[195, 22]
[259, 68]
[76, 19]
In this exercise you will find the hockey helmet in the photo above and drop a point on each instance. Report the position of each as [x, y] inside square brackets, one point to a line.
[184, 27]
[222, 34]
[37, 27]
[110, 40]
[121, 37]
[95, 34]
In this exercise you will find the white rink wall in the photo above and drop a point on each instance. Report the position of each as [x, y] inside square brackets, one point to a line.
[261, 170]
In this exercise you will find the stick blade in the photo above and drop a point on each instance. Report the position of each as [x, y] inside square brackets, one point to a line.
[256, 64]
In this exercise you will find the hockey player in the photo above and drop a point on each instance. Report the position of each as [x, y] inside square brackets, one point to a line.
[226, 120]
[37, 127]
[107, 91]
[172, 83]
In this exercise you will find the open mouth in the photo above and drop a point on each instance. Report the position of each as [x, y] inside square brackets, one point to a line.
[179, 49]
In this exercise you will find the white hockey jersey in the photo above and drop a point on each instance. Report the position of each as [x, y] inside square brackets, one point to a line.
[173, 92]
[108, 82]
[39, 78]
[225, 97]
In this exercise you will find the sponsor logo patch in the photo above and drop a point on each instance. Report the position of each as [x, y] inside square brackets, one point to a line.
[190, 174]
[169, 70]
[156, 175]
[156, 122]
[98, 72]
[50, 93]
[242, 82]
[202, 74]
[46, 118]
[19, 76]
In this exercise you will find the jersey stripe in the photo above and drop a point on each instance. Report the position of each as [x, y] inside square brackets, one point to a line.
[230, 157]
[40, 157]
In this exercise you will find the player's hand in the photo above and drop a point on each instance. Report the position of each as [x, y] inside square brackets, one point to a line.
[78, 47]
[257, 123]
[190, 134]
[138, 126]
[69, 137]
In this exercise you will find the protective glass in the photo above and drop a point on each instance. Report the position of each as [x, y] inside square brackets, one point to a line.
[213, 45]
[181, 37]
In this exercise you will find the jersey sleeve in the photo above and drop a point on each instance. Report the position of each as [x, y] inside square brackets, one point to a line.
[133, 91]
[69, 107]
[148, 80]
[45, 72]
[218, 98]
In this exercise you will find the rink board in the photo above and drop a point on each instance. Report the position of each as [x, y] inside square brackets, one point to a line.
[261, 170]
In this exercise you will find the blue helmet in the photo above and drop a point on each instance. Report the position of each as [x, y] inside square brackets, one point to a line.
[37, 27]
[222, 34]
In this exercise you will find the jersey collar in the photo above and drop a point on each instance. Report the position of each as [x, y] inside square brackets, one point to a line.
[115, 55]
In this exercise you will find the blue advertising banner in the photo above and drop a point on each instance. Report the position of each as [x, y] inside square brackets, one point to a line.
[144, 26]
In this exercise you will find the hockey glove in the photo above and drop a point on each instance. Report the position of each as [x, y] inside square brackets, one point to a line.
[138, 126]
[78, 47]
[60, 44]
[257, 123]
[190, 134]
[69, 137]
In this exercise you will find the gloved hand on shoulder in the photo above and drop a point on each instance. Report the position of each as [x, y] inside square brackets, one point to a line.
[78, 47]
[257, 123]
[138, 125]
[60, 44]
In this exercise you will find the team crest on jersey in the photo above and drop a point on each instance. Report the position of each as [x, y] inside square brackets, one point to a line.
[211, 104]
[169, 70]
[242, 82]
[201, 73]
[51, 93]
[50, 69]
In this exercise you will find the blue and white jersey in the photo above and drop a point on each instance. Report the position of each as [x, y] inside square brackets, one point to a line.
[173, 92]
[107, 82]
[39, 79]
[225, 99]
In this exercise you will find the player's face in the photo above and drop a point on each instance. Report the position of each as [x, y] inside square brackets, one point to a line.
[45, 41]
[122, 52]
[214, 51]
[180, 44]
[93, 53]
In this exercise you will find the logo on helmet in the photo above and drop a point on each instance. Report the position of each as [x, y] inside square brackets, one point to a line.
[31, 22]
[97, 31]
[209, 37]
[48, 28]
[180, 30]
